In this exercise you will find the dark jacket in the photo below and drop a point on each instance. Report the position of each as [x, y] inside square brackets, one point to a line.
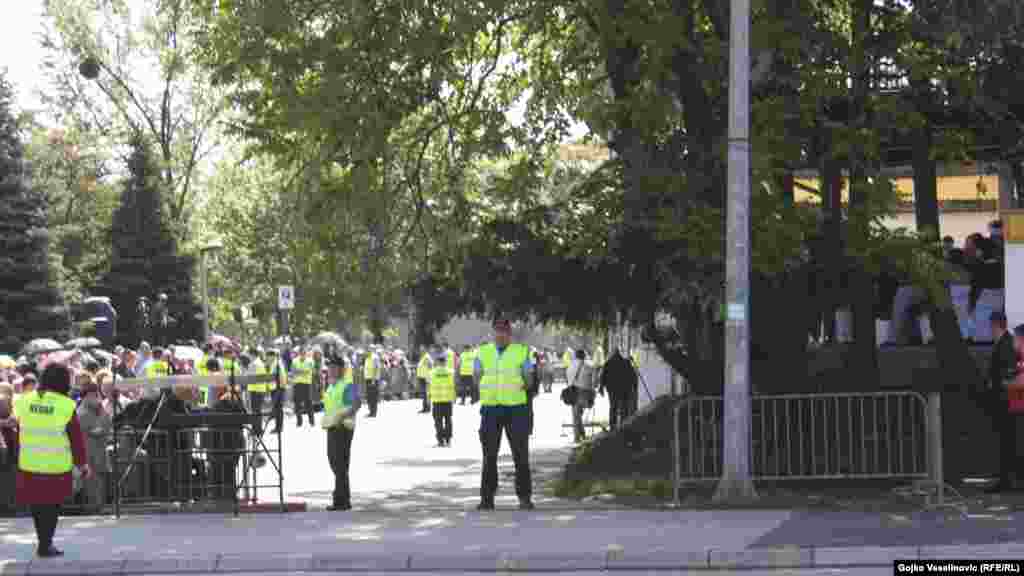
[618, 376]
[1003, 363]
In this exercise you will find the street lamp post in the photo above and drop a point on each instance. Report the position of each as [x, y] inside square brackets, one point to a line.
[205, 279]
[736, 483]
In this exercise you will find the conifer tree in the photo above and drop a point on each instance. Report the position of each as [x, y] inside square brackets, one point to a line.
[30, 305]
[145, 260]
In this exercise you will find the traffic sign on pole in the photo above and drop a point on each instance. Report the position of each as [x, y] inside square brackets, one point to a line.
[285, 297]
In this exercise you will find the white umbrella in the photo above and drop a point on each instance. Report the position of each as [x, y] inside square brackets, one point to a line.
[187, 353]
[40, 345]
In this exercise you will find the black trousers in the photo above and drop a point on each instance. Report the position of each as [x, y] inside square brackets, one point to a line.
[465, 388]
[256, 400]
[443, 421]
[339, 453]
[423, 394]
[45, 517]
[515, 426]
[277, 398]
[618, 409]
[372, 396]
[302, 397]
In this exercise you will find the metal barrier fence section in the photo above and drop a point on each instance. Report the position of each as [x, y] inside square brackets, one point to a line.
[799, 437]
[223, 459]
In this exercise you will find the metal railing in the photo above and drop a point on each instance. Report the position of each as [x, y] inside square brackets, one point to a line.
[205, 462]
[811, 436]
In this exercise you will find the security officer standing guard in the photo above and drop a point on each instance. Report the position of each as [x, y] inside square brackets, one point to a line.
[442, 396]
[371, 374]
[302, 388]
[466, 362]
[422, 378]
[341, 405]
[280, 389]
[257, 391]
[502, 372]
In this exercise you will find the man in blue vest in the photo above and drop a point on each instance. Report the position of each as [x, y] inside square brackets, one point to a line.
[502, 374]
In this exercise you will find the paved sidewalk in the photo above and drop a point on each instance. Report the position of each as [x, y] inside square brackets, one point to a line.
[506, 540]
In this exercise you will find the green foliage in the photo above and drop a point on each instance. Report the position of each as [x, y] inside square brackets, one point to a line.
[30, 305]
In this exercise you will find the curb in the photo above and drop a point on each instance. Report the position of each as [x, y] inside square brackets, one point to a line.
[613, 559]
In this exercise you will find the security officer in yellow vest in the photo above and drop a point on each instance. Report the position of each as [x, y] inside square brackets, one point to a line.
[442, 395]
[50, 445]
[502, 372]
[302, 388]
[341, 405]
[371, 379]
[423, 378]
[258, 391]
[280, 387]
[158, 366]
[466, 386]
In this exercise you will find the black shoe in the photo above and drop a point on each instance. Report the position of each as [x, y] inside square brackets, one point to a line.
[526, 504]
[339, 507]
[50, 552]
[485, 505]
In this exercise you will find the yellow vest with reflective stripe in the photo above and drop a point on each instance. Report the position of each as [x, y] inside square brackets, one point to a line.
[259, 368]
[201, 368]
[466, 362]
[423, 368]
[157, 369]
[501, 381]
[44, 446]
[567, 359]
[304, 371]
[442, 384]
[370, 367]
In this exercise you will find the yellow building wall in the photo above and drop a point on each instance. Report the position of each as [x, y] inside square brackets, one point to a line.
[951, 188]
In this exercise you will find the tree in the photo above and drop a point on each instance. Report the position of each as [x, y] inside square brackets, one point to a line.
[145, 261]
[146, 86]
[30, 306]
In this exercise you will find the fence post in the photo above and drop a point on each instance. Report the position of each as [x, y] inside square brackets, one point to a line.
[676, 471]
[935, 445]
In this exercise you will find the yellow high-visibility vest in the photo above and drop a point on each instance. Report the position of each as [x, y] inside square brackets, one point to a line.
[370, 367]
[423, 368]
[567, 359]
[501, 382]
[259, 368]
[442, 384]
[201, 368]
[45, 447]
[157, 369]
[303, 371]
[466, 362]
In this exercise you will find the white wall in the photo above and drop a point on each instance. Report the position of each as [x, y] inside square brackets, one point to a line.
[1014, 305]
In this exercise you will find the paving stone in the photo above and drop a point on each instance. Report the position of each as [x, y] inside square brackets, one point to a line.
[13, 568]
[464, 563]
[65, 567]
[557, 562]
[256, 563]
[658, 560]
[980, 552]
[350, 563]
[170, 566]
[761, 558]
[869, 556]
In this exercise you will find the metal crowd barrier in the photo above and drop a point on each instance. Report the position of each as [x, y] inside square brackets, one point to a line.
[195, 459]
[814, 436]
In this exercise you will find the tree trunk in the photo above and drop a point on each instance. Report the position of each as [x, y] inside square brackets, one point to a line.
[926, 195]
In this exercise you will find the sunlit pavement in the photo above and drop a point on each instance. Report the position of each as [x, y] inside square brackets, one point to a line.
[396, 464]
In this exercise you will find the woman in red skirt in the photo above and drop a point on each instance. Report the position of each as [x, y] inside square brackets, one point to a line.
[42, 483]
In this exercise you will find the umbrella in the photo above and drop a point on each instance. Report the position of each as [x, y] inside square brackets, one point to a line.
[84, 342]
[187, 353]
[282, 340]
[103, 299]
[40, 345]
[220, 340]
[327, 338]
[7, 362]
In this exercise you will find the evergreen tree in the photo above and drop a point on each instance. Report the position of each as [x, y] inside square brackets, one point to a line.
[30, 305]
[145, 260]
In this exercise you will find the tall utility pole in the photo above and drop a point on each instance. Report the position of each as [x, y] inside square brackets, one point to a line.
[736, 483]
